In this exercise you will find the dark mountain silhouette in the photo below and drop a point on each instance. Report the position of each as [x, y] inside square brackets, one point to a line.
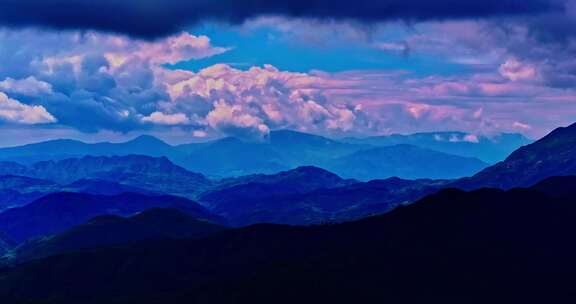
[405, 161]
[489, 149]
[453, 246]
[307, 200]
[111, 230]
[57, 212]
[557, 186]
[553, 155]
[5, 244]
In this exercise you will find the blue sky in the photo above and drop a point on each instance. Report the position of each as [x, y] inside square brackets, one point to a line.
[267, 45]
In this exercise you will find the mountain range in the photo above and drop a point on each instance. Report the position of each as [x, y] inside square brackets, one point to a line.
[503, 232]
[305, 195]
[405, 161]
[490, 149]
[316, 197]
[452, 246]
[155, 174]
[302, 196]
[107, 230]
[57, 212]
[285, 150]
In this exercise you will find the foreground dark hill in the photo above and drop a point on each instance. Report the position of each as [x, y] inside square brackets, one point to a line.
[405, 161]
[453, 246]
[553, 155]
[5, 244]
[57, 212]
[110, 230]
[489, 149]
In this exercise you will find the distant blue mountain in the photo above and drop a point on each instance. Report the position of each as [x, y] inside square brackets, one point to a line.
[404, 161]
[65, 148]
[143, 172]
[490, 149]
[283, 150]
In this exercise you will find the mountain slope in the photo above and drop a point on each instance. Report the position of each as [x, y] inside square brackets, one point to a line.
[112, 230]
[57, 212]
[404, 161]
[284, 150]
[301, 179]
[65, 148]
[553, 155]
[231, 157]
[17, 191]
[234, 157]
[489, 149]
[5, 245]
[144, 172]
[453, 246]
[254, 202]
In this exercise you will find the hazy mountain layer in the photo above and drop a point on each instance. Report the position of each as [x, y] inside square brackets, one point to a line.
[283, 150]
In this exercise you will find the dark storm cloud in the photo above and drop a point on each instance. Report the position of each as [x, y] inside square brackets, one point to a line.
[154, 18]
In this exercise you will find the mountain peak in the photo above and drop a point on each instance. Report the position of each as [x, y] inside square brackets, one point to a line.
[147, 140]
[310, 171]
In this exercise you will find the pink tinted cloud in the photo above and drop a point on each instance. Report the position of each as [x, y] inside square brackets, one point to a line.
[127, 81]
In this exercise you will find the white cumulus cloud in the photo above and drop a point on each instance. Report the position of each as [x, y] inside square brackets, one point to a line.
[13, 111]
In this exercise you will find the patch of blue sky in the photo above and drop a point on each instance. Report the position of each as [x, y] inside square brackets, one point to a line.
[266, 45]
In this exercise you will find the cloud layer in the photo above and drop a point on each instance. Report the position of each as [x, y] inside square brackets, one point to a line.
[516, 76]
[155, 18]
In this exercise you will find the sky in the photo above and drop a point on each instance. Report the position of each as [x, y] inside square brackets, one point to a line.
[194, 70]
